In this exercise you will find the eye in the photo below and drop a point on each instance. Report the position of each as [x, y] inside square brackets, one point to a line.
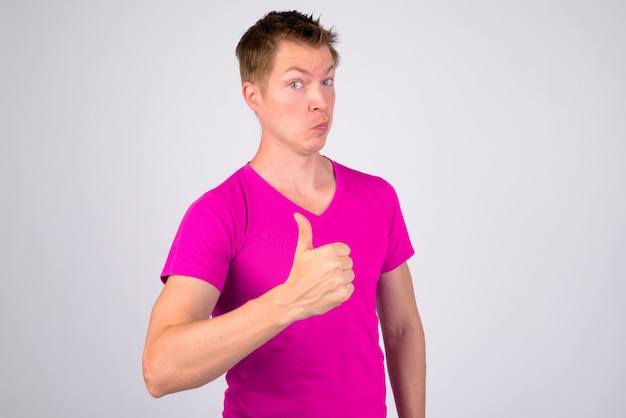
[295, 84]
[328, 82]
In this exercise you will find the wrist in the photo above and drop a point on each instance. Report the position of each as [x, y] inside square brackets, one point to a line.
[279, 306]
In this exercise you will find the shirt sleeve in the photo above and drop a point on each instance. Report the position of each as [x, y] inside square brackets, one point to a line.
[202, 246]
[399, 247]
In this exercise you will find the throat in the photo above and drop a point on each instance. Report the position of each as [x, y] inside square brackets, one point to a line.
[310, 186]
[316, 201]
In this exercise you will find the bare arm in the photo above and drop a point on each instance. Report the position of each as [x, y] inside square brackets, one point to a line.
[185, 348]
[403, 336]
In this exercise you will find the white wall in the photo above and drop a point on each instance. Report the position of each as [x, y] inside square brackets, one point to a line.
[501, 124]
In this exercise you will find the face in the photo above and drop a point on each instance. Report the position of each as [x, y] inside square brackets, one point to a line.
[296, 107]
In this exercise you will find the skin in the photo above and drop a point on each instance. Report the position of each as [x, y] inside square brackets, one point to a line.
[185, 348]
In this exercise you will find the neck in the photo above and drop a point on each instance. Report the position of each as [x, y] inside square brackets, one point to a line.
[299, 171]
[308, 181]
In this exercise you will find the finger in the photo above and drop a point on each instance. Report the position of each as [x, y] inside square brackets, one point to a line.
[339, 249]
[349, 288]
[305, 233]
[349, 274]
[348, 263]
[344, 263]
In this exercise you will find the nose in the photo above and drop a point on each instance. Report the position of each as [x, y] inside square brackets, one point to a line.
[318, 99]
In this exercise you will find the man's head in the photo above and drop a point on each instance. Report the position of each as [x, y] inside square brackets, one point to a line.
[257, 48]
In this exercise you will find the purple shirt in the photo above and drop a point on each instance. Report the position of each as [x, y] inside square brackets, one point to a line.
[241, 238]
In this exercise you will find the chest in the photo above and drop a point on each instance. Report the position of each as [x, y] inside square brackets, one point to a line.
[265, 253]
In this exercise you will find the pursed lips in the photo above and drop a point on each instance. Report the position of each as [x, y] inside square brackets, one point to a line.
[321, 126]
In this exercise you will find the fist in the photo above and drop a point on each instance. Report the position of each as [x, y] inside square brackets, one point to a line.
[320, 278]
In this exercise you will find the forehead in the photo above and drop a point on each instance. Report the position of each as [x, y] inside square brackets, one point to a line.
[291, 55]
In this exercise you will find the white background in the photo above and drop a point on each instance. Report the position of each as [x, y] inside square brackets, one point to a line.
[501, 124]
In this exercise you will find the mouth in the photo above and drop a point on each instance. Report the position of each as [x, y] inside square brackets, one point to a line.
[321, 127]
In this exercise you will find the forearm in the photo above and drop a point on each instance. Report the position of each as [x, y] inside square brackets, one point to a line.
[406, 364]
[189, 355]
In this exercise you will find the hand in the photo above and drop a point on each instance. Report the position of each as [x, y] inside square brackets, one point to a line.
[320, 278]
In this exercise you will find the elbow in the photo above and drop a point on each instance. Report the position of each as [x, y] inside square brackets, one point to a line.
[152, 376]
[154, 389]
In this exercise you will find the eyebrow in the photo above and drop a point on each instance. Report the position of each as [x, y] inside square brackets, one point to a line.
[303, 71]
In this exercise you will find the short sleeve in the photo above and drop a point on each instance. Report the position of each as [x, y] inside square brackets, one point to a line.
[399, 247]
[202, 246]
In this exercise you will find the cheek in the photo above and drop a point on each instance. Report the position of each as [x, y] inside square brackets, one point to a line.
[284, 104]
[330, 97]
[289, 104]
[331, 103]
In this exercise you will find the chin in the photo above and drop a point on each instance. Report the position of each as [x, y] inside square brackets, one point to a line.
[317, 144]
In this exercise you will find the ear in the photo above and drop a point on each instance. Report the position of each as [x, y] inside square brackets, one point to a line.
[252, 95]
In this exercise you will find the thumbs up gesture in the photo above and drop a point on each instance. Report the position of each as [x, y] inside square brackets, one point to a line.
[320, 278]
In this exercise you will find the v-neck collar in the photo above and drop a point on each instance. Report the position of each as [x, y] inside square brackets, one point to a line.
[295, 207]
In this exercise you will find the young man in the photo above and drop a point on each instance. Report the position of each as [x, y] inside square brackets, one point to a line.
[278, 276]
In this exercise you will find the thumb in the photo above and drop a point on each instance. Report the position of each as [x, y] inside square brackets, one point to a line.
[305, 233]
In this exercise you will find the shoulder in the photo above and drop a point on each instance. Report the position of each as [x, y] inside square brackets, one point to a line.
[375, 190]
[226, 194]
[224, 203]
[354, 174]
[355, 178]
[215, 222]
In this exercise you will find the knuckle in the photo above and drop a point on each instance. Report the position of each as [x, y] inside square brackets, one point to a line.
[327, 251]
[347, 291]
[335, 264]
[336, 282]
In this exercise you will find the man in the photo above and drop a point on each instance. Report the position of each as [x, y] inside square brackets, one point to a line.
[278, 276]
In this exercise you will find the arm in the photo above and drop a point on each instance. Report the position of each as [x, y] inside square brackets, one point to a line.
[403, 337]
[185, 348]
